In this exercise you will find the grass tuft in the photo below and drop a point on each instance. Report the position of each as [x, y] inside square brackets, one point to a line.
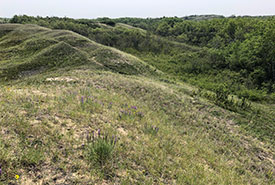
[100, 148]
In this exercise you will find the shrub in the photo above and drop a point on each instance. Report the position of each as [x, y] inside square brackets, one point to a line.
[222, 94]
[253, 95]
[272, 96]
[107, 21]
[222, 97]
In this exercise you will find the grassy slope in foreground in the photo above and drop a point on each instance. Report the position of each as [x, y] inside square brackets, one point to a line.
[45, 118]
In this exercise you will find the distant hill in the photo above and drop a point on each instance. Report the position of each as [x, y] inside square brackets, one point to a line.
[27, 49]
[203, 17]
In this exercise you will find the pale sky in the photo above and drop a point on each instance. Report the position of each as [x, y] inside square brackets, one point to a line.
[134, 8]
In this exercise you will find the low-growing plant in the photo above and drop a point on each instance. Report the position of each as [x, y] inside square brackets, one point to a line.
[244, 104]
[130, 112]
[100, 148]
[32, 157]
[153, 130]
[90, 104]
[110, 105]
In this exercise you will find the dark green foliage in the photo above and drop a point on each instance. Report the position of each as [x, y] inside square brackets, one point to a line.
[80, 26]
[222, 97]
[238, 44]
[106, 20]
[244, 45]
[222, 93]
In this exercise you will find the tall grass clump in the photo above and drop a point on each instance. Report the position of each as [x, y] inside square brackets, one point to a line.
[100, 148]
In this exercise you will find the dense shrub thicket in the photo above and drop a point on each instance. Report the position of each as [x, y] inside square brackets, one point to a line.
[242, 44]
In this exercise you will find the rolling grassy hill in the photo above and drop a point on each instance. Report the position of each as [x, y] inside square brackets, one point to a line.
[28, 49]
[58, 89]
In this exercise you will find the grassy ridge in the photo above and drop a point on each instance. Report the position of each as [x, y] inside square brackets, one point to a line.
[27, 49]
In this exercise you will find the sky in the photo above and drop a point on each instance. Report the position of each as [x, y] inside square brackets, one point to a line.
[134, 8]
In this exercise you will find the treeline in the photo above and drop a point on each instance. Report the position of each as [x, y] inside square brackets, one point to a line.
[80, 26]
[152, 23]
[4, 20]
[205, 50]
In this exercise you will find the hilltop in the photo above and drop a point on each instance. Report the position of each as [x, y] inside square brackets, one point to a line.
[59, 88]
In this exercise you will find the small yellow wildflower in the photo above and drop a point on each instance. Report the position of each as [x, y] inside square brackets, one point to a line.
[16, 177]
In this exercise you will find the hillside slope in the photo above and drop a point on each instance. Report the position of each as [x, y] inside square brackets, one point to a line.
[154, 130]
[29, 49]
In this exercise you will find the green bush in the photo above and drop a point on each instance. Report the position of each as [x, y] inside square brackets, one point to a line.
[222, 94]
[106, 20]
[272, 97]
[252, 95]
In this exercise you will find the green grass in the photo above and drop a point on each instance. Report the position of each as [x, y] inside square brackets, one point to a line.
[165, 135]
[101, 152]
